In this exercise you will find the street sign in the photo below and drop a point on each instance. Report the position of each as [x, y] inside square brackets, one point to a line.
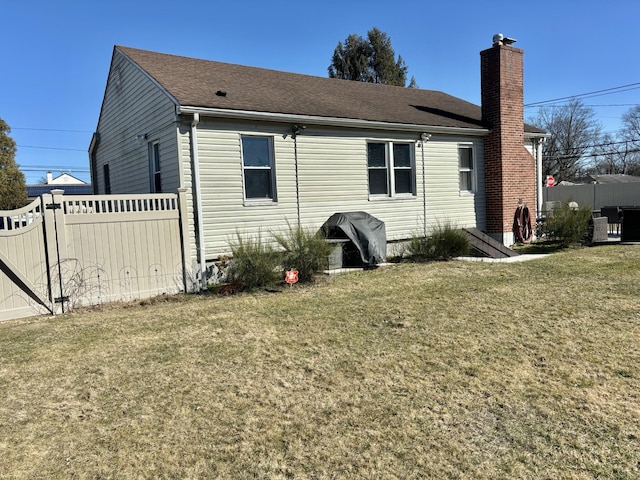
[550, 181]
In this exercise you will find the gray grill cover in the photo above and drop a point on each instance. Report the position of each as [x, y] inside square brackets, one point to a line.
[367, 233]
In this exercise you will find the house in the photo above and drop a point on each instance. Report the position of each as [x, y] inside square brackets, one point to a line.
[607, 179]
[258, 148]
[65, 181]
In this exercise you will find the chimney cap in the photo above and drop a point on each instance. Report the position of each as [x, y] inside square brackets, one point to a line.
[499, 39]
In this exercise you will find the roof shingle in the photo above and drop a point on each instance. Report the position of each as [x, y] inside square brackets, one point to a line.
[194, 83]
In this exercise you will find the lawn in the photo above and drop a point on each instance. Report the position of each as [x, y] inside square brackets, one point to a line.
[452, 370]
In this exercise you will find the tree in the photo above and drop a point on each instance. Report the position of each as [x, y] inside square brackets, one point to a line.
[13, 191]
[621, 153]
[574, 131]
[614, 154]
[372, 60]
[630, 133]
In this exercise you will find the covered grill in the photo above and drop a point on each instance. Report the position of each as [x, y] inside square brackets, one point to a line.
[366, 244]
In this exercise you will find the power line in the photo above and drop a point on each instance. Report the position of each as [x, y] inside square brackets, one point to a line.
[590, 94]
[581, 151]
[560, 105]
[588, 155]
[52, 148]
[51, 130]
[57, 169]
[613, 105]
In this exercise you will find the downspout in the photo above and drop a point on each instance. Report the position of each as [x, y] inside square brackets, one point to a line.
[538, 146]
[424, 139]
[198, 198]
[295, 131]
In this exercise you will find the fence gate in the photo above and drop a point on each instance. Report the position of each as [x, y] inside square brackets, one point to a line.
[63, 251]
[24, 271]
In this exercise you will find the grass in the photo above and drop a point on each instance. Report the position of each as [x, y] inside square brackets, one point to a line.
[444, 370]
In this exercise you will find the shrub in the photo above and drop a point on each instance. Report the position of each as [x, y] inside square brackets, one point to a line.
[444, 243]
[255, 263]
[304, 251]
[419, 248]
[567, 225]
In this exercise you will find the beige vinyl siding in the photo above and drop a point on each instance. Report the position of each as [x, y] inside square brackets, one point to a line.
[133, 105]
[225, 211]
[186, 173]
[333, 177]
[445, 202]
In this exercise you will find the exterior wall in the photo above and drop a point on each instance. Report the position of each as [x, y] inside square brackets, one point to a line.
[332, 177]
[509, 168]
[134, 107]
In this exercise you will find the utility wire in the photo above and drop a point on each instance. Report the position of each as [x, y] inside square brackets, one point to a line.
[560, 105]
[590, 94]
[581, 151]
[52, 148]
[602, 154]
[606, 144]
[54, 169]
[51, 130]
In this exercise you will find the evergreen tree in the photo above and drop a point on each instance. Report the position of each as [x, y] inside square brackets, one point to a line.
[372, 60]
[13, 190]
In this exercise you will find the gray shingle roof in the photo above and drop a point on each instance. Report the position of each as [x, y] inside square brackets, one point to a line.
[615, 178]
[194, 83]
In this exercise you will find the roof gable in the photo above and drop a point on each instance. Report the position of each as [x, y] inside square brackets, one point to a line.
[66, 179]
[216, 85]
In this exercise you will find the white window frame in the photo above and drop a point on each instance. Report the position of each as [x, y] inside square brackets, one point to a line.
[466, 171]
[270, 167]
[155, 168]
[390, 169]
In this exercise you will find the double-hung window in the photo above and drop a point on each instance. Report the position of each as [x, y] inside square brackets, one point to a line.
[391, 169]
[466, 168]
[258, 168]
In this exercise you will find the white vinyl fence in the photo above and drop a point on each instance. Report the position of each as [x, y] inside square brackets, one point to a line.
[64, 251]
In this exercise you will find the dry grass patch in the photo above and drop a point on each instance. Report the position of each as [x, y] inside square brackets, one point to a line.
[444, 370]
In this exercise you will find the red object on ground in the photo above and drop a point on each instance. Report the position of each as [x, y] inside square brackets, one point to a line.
[291, 277]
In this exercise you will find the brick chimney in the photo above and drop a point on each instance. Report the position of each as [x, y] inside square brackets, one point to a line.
[510, 171]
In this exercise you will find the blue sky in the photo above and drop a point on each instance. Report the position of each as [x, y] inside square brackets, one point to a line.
[55, 55]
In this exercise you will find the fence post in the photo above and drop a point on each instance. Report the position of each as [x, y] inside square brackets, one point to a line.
[185, 244]
[56, 246]
[50, 249]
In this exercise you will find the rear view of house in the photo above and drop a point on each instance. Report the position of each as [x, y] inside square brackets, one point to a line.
[258, 148]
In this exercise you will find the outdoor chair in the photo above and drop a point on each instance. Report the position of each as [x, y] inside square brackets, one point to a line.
[613, 218]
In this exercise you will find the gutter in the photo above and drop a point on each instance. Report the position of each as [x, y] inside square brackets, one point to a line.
[197, 193]
[326, 121]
